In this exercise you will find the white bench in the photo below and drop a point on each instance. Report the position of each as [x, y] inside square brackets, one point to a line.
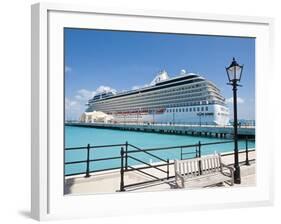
[212, 172]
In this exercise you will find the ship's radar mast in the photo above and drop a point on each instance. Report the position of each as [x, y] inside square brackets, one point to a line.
[161, 76]
[183, 72]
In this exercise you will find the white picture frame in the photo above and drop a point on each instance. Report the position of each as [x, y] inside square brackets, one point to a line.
[48, 201]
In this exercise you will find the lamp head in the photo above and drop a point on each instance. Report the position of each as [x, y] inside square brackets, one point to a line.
[234, 71]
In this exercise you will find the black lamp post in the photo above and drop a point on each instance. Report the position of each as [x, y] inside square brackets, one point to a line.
[234, 73]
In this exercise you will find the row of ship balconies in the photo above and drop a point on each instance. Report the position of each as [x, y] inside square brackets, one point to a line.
[159, 106]
[169, 91]
[158, 102]
[161, 96]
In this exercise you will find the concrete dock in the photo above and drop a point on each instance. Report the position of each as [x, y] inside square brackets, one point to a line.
[109, 181]
[184, 129]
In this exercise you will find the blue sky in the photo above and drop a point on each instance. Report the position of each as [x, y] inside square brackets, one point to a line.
[97, 59]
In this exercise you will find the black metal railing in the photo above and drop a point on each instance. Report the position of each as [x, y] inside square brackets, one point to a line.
[88, 159]
[128, 153]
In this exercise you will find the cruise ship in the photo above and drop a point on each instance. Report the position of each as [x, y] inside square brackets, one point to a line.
[187, 98]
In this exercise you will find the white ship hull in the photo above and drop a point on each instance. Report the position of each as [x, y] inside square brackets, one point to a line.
[215, 115]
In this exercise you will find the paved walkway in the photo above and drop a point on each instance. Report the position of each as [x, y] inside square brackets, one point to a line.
[109, 182]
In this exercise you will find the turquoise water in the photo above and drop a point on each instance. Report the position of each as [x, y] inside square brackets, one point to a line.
[81, 136]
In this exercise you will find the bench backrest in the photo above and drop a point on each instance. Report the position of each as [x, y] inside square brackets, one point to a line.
[190, 167]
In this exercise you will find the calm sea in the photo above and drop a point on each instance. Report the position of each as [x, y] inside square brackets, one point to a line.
[81, 136]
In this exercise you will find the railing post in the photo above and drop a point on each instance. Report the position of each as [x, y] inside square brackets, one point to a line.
[199, 155]
[199, 149]
[122, 170]
[247, 156]
[168, 169]
[181, 153]
[64, 167]
[88, 161]
[126, 156]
